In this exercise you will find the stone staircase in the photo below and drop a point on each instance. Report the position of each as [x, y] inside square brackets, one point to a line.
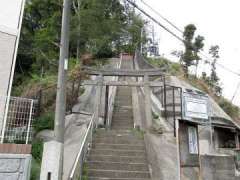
[119, 153]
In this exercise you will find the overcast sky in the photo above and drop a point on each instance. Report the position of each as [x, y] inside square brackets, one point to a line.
[216, 20]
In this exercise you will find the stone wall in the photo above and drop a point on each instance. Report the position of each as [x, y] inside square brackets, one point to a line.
[15, 166]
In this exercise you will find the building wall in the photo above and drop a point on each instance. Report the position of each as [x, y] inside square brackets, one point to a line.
[7, 46]
[189, 162]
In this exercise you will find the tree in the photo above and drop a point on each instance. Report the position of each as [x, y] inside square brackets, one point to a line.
[192, 48]
[198, 46]
[214, 79]
[188, 56]
[98, 27]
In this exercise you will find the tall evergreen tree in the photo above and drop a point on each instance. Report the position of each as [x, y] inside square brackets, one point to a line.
[214, 79]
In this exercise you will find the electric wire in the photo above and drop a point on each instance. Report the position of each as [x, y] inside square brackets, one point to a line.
[235, 93]
[175, 26]
[165, 19]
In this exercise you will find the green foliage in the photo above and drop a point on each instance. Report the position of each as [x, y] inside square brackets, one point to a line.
[85, 172]
[155, 116]
[166, 65]
[139, 133]
[37, 150]
[232, 110]
[192, 48]
[35, 170]
[45, 121]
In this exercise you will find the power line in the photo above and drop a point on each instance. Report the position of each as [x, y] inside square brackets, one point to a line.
[169, 22]
[157, 22]
[175, 26]
[234, 95]
[220, 65]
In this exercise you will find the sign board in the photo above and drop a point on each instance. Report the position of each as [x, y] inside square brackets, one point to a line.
[11, 13]
[192, 140]
[195, 106]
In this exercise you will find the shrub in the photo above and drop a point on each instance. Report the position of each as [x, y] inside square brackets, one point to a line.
[229, 108]
[45, 121]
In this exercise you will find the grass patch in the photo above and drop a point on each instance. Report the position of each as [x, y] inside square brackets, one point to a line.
[139, 133]
[37, 150]
[85, 172]
[35, 170]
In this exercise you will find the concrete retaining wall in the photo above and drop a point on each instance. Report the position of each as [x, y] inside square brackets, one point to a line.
[15, 166]
[162, 156]
[218, 167]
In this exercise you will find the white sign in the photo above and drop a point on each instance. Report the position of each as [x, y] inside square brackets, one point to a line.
[192, 140]
[195, 106]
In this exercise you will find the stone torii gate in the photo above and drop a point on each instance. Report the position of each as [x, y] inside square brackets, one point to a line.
[142, 80]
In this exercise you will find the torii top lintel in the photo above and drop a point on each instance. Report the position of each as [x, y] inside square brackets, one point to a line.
[123, 72]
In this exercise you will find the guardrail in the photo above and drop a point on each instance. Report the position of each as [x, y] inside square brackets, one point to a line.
[77, 170]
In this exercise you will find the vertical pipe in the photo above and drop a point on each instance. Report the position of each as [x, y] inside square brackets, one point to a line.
[181, 102]
[165, 98]
[29, 122]
[178, 149]
[174, 112]
[106, 107]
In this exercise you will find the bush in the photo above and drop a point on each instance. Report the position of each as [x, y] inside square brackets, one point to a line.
[229, 108]
[37, 149]
[45, 121]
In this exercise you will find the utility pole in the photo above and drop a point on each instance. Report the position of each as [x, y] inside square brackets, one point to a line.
[62, 71]
[53, 151]
[59, 126]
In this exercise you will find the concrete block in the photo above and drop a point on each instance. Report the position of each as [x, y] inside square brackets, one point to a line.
[52, 158]
[15, 166]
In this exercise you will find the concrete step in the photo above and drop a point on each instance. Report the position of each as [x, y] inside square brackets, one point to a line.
[102, 178]
[115, 152]
[118, 146]
[118, 140]
[122, 127]
[119, 122]
[118, 174]
[117, 166]
[122, 119]
[123, 113]
[122, 159]
[114, 133]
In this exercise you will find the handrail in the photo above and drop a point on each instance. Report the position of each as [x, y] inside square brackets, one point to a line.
[77, 169]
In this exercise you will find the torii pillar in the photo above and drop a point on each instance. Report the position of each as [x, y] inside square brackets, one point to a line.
[148, 105]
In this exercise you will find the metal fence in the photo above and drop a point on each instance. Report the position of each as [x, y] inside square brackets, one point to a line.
[77, 170]
[171, 100]
[16, 117]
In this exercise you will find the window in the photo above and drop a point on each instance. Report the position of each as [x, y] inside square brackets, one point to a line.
[192, 140]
